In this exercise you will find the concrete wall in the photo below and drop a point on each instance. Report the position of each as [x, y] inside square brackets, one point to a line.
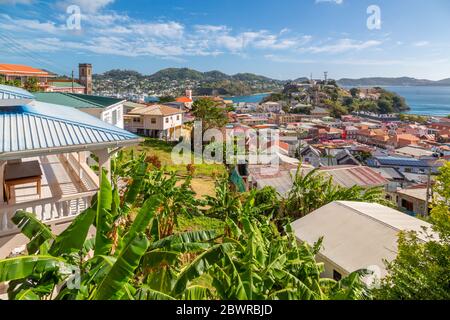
[330, 267]
[418, 205]
[107, 114]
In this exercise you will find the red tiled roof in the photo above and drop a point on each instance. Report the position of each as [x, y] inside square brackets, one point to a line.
[184, 99]
[349, 176]
[17, 69]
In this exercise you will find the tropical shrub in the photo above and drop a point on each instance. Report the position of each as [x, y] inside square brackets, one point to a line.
[135, 253]
[421, 269]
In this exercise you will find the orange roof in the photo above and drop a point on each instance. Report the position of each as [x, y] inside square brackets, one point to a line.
[184, 99]
[407, 137]
[17, 69]
[155, 110]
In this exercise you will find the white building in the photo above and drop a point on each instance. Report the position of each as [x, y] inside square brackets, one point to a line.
[356, 235]
[156, 121]
[106, 109]
[43, 163]
[270, 106]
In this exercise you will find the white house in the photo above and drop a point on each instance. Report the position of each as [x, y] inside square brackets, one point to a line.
[43, 163]
[356, 235]
[156, 121]
[106, 109]
[270, 106]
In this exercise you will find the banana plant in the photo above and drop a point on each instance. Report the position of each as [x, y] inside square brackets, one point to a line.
[135, 253]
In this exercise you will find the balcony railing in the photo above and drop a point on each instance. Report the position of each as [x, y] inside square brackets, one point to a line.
[50, 211]
[55, 209]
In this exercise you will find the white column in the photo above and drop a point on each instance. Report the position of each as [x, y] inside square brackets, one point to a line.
[104, 162]
[2, 169]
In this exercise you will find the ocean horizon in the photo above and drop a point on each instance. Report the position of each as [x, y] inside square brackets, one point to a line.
[423, 100]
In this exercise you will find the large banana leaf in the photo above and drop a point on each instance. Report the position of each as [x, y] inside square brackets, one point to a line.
[25, 266]
[134, 189]
[199, 266]
[143, 219]
[35, 230]
[123, 269]
[155, 258]
[197, 293]
[186, 241]
[147, 293]
[74, 237]
[104, 219]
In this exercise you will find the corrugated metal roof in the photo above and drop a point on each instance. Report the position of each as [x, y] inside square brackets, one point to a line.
[397, 161]
[76, 100]
[65, 84]
[356, 234]
[10, 92]
[349, 176]
[38, 126]
[156, 110]
[389, 173]
[414, 152]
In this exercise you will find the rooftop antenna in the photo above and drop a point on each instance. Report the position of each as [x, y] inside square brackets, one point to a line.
[72, 83]
[325, 76]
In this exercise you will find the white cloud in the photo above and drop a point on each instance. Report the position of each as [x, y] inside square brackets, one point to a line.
[333, 1]
[9, 23]
[14, 2]
[343, 45]
[421, 44]
[86, 6]
[171, 29]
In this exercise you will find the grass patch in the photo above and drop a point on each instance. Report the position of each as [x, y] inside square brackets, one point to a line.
[163, 150]
[197, 223]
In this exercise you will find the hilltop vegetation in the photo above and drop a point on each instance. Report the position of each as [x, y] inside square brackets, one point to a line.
[401, 81]
[173, 81]
[338, 100]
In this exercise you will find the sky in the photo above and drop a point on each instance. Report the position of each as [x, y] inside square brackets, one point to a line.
[282, 39]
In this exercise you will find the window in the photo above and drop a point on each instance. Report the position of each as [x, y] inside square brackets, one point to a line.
[336, 275]
[407, 205]
[408, 170]
[178, 117]
[167, 120]
[153, 120]
[137, 120]
[107, 117]
[114, 117]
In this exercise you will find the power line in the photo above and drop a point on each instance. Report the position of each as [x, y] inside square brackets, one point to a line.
[18, 48]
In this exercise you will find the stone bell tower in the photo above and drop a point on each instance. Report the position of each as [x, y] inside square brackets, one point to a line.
[85, 76]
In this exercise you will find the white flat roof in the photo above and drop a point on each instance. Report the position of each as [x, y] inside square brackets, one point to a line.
[357, 235]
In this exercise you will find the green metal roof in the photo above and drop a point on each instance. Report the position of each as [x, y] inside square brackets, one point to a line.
[65, 84]
[75, 100]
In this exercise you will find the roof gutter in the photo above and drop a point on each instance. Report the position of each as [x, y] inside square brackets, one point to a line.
[68, 149]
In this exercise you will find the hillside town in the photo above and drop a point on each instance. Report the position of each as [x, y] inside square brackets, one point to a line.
[52, 129]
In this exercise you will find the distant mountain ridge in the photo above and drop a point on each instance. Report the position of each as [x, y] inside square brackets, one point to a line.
[174, 81]
[183, 74]
[383, 81]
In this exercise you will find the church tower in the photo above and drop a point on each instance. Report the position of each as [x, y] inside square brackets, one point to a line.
[85, 76]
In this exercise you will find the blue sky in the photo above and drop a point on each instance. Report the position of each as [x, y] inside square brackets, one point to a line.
[283, 39]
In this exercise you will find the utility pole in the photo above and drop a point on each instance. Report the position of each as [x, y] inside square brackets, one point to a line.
[72, 83]
[427, 202]
[326, 77]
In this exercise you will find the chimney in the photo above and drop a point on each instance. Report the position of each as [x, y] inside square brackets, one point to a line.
[189, 94]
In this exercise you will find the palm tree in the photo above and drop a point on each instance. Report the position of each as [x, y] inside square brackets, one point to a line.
[312, 190]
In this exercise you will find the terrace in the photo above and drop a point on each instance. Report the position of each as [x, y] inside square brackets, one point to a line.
[44, 150]
[67, 186]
